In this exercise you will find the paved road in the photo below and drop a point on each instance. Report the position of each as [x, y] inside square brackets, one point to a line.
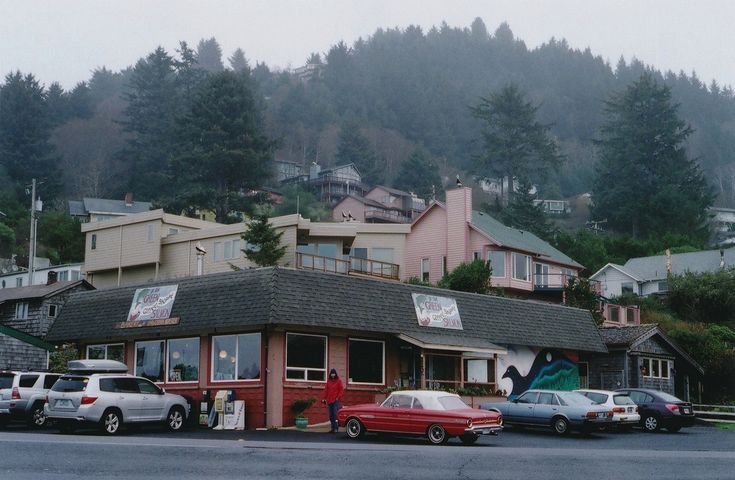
[700, 452]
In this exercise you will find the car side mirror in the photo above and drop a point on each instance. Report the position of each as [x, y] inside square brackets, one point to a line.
[163, 391]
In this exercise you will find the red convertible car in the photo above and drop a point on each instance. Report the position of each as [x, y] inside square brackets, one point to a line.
[438, 415]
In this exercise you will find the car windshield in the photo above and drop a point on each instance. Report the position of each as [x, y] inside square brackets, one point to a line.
[622, 400]
[452, 403]
[668, 398]
[6, 380]
[573, 398]
[70, 384]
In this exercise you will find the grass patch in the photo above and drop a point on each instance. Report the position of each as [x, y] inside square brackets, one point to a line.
[725, 426]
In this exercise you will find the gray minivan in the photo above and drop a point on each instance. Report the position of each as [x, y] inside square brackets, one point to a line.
[110, 400]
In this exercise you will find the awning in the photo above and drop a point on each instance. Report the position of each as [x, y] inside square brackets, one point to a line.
[466, 345]
[26, 338]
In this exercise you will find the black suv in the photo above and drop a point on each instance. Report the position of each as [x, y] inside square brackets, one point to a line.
[660, 410]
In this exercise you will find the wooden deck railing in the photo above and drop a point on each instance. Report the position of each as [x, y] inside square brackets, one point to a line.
[352, 266]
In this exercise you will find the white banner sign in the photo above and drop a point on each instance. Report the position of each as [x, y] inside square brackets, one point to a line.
[438, 312]
[152, 303]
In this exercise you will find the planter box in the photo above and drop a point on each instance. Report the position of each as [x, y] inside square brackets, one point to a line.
[301, 422]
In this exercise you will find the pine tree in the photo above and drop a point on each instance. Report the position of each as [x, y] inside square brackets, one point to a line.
[354, 147]
[420, 175]
[521, 213]
[645, 184]
[238, 62]
[209, 55]
[263, 243]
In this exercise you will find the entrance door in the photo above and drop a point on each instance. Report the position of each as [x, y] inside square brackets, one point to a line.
[542, 275]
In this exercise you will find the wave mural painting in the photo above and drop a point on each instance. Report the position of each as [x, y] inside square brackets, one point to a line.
[525, 368]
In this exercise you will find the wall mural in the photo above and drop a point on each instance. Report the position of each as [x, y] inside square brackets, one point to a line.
[526, 368]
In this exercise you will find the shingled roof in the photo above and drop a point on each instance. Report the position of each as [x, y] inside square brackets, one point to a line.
[39, 291]
[281, 296]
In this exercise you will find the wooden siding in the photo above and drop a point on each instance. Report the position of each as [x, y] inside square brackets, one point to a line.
[352, 205]
[427, 239]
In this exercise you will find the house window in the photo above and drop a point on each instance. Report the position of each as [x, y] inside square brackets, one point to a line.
[384, 255]
[149, 360]
[630, 315]
[53, 311]
[655, 368]
[94, 241]
[21, 310]
[614, 314]
[566, 275]
[63, 276]
[541, 278]
[113, 351]
[149, 230]
[626, 287]
[521, 267]
[227, 250]
[173, 231]
[477, 255]
[183, 360]
[663, 286]
[236, 357]
[497, 262]
[366, 361]
[425, 267]
[19, 282]
[480, 370]
[306, 357]
[75, 274]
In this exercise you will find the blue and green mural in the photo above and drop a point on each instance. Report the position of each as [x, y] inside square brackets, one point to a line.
[525, 368]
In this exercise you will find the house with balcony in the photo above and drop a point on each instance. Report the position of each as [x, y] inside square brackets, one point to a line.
[649, 275]
[553, 207]
[447, 234]
[380, 205]
[330, 185]
[100, 209]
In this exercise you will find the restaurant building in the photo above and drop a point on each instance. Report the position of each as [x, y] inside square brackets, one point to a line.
[272, 334]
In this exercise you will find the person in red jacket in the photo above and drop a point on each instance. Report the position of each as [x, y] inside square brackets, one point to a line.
[332, 395]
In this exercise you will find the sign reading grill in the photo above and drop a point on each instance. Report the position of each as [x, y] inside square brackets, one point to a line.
[151, 307]
[435, 311]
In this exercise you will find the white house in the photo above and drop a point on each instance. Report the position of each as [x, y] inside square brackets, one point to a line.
[648, 275]
[68, 272]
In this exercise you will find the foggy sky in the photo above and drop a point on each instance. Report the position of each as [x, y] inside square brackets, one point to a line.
[64, 40]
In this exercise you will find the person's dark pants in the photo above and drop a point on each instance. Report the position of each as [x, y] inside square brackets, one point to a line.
[333, 409]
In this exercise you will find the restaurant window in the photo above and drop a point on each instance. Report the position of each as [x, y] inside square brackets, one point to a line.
[479, 370]
[441, 370]
[149, 360]
[425, 268]
[366, 361]
[236, 357]
[497, 262]
[183, 360]
[521, 267]
[113, 351]
[306, 357]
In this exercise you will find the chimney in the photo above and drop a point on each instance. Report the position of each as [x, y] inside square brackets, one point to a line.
[314, 171]
[52, 277]
[669, 263]
[459, 215]
[128, 199]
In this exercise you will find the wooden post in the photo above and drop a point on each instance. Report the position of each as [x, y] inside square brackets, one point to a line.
[423, 370]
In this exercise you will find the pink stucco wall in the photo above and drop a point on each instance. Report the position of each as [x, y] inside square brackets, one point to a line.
[427, 239]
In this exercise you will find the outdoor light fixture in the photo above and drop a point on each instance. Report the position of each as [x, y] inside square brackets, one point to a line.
[176, 355]
[223, 354]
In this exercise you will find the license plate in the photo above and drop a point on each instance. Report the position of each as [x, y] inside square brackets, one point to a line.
[601, 414]
[486, 431]
[685, 410]
[63, 403]
[622, 419]
[630, 409]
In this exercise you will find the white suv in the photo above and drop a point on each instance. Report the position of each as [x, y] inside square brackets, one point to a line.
[22, 395]
[110, 400]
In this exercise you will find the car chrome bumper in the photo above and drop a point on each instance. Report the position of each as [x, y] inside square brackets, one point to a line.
[484, 429]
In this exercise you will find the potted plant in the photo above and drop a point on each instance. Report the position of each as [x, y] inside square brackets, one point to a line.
[298, 407]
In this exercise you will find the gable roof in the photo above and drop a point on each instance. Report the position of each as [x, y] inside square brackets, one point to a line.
[654, 267]
[364, 201]
[394, 191]
[519, 239]
[103, 205]
[630, 336]
[235, 301]
[40, 291]
[617, 267]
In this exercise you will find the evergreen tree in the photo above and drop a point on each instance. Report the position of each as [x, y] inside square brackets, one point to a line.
[420, 175]
[57, 104]
[263, 243]
[354, 147]
[516, 145]
[521, 213]
[209, 55]
[238, 62]
[646, 184]
[471, 277]
[226, 150]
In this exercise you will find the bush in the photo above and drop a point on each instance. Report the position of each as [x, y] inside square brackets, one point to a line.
[473, 277]
[298, 407]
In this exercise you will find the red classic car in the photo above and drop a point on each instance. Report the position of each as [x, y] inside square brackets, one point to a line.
[438, 415]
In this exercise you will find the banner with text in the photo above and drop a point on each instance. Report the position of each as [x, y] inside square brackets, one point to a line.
[438, 312]
[153, 303]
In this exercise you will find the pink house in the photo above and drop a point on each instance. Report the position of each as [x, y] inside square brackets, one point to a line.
[447, 234]
[380, 205]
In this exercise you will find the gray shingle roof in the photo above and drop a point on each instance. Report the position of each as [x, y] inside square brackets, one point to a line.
[76, 207]
[520, 239]
[625, 335]
[233, 300]
[114, 206]
[38, 291]
[654, 267]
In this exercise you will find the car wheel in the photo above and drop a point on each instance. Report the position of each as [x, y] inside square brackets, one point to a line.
[673, 429]
[111, 422]
[651, 423]
[175, 419]
[354, 428]
[36, 416]
[468, 439]
[560, 426]
[437, 435]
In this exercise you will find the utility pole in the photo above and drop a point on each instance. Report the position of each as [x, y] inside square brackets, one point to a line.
[32, 247]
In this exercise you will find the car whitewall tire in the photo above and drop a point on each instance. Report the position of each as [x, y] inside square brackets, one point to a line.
[437, 435]
[354, 428]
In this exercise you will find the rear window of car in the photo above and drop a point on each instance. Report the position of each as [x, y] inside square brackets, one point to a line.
[573, 398]
[622, 400]
[452, 403]
[596, 397]
[6, 380]
[70, 384]
[27, 381]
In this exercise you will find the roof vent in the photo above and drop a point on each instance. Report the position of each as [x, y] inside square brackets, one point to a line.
[128, 199]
